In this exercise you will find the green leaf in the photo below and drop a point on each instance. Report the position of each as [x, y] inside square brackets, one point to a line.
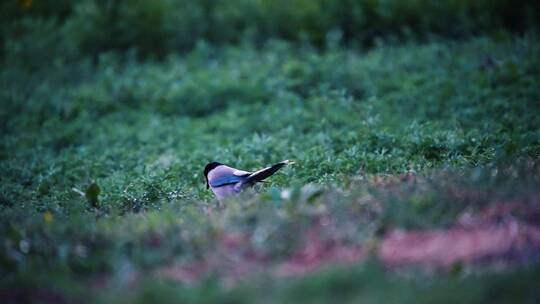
[92, 193]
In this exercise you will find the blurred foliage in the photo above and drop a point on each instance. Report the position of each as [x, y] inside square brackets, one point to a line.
[156, 28]
[358, 284]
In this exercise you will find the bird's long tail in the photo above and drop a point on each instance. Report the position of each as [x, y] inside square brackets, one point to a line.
[262, 174]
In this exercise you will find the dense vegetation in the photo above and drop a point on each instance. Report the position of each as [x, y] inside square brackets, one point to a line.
[104, 138]
[33, 29]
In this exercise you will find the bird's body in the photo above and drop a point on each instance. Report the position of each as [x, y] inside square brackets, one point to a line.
[226, 181]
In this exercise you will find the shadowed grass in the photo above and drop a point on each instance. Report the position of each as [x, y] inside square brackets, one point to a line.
[463, 116]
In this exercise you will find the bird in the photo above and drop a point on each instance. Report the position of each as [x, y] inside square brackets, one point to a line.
[226, 181]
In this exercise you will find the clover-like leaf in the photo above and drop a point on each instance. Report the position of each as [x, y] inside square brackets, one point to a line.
[92, 193]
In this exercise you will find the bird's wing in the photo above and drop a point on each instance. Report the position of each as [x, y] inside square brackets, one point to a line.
[225, 175]
[241, 172]
[225, 180]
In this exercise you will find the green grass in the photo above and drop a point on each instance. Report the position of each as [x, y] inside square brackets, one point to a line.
[462, 114]
[63, 29]
[361, 284]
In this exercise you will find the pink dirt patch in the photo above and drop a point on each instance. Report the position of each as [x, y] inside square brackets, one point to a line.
[232, 259]
[491, 235]
[317, 253]
[186, 273]
[458, 245]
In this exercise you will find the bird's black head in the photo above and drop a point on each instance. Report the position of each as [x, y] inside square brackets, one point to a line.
[208, 168]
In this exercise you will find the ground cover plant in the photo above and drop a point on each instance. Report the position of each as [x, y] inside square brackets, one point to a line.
[416, 177]
[158, 27]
